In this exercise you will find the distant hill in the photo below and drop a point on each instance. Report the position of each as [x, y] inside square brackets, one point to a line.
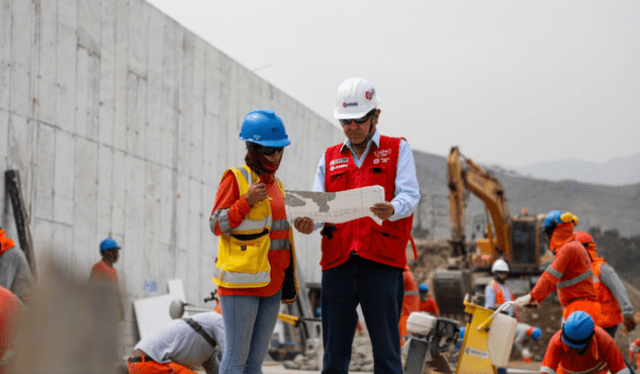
[604, 206]
[617, 172]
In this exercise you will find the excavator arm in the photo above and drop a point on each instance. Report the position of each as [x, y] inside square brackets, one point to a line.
[476, 180]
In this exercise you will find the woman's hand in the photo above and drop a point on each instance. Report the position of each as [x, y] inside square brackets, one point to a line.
[304, 225]
[257, 192]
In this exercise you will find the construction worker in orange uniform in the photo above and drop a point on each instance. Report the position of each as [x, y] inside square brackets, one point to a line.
[615, 306]
[582, 347]
[427, 304]
[633, 352]
[10, 311]
[410, 303]
[570, 272]
[496, 292]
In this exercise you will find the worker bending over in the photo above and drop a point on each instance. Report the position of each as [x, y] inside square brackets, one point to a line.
[10, 313]
[15, 274]
[570, 272]
[181, 345]
[582, 347]
[427, 304]
[615, 306]
[525, 334]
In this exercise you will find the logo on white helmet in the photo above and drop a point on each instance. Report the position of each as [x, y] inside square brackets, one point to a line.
[369, 94]
[345, 104]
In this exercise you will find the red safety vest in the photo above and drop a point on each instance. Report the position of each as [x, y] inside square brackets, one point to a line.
[610, 313]
[384, 243]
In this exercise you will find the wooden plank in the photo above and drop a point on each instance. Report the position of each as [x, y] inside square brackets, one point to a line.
[21, 215]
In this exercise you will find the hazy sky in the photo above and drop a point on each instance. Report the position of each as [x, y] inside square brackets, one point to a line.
[510, 82]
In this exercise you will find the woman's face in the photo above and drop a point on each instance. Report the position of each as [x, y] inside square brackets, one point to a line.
[274, 158]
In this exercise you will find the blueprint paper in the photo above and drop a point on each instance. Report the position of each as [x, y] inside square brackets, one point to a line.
[334, 207]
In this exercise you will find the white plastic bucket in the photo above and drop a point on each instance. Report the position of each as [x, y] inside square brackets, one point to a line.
[502, 332]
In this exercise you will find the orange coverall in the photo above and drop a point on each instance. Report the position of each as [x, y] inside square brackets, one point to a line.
[410, 303]
[602, 355]
[571, 274]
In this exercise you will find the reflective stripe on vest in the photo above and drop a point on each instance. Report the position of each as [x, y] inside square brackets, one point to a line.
[411, 293]
[241, 278]
[576, 280]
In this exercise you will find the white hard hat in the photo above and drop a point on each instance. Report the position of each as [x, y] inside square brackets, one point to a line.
[356, 97]
[499, 265]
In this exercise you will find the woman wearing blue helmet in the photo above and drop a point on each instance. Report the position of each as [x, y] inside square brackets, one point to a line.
[255, 268]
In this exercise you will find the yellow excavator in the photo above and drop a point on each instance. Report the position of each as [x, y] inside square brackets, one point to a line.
[518, 240]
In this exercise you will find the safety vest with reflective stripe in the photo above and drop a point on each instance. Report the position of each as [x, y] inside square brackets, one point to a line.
[243, 254]
[610, 313]
[500, 299]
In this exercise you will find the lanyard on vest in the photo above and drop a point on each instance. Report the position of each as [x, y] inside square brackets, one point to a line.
[198, 328]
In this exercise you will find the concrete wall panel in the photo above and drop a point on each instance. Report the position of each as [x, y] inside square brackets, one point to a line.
[153, 131]
[64, 187]
[5, 53]
[20, 147]
[167, 212]
[122, 122]
[89, 25]
[82, 92]
[118, 194]
[85, 198]
[62, 250]
[138, 36]
[151, 220]
[107, 71]
[104, 206]
[45, 171]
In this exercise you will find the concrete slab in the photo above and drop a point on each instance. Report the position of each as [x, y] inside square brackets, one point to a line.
[107, 72]
[66, 56]
[45, 172]
[5, 53]
[89, 25]
[138, 17]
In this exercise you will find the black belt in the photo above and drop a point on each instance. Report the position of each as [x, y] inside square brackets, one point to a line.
[134, 360]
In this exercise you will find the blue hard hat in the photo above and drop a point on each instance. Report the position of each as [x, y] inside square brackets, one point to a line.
[423, 287]
[107, 244]
[264, 127]
[536, 333]
[553, 218]
[578, 330]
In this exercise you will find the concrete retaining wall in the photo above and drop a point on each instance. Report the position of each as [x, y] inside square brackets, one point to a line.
[121, 122]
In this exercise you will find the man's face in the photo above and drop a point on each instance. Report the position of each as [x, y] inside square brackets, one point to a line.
[357, 132]
[113, 255]
[502, 274]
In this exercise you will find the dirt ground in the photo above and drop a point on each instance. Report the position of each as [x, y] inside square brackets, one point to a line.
[547, 316]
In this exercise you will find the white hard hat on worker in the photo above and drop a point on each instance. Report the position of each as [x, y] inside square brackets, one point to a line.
[356, 97]
[356, 108]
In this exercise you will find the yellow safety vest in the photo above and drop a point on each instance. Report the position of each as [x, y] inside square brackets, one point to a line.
[243, 255]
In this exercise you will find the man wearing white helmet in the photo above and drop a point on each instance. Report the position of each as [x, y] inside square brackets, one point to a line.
[362, 262]
[496, 292]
